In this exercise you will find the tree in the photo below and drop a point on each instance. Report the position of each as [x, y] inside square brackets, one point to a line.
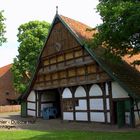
[2, 28]
[31, 37]
[120, 30]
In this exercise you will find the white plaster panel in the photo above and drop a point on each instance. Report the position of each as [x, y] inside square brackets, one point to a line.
[137, 119]
[67, 93]
[31, 105]
[67, 115]
[106, 89]
[81, 116]
[31, 96]
[80, 92]
[97, 116]
[31, 113]
[107, 104]
[37, 108]
[95, 90]
[135, 107]
[96, 104]
[127, 117]
[82, 104]
[108, 117]
[118, 91]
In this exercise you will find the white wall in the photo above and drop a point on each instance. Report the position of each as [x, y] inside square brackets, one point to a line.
[31, 113]
[97, 116]
[107, 104]
[118, 91]
[31, 105]
[31, 96]
[82, 104]
[108, 117]
[96, 104]
[127, 118]
[67, 115]
[137, 119]
[81, 116]
[135, 107]
[106, 89]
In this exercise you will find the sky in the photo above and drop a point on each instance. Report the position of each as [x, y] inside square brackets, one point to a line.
[18, 12]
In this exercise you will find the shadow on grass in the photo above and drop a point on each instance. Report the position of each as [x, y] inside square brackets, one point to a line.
[79, 135]
[67, 136]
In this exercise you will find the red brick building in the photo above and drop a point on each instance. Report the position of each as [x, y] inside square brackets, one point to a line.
[7, 92]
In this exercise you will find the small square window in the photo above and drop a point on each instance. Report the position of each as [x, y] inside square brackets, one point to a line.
[7, 93]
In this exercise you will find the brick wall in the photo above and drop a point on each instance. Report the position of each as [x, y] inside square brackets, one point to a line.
[6, 88]
[9, 108]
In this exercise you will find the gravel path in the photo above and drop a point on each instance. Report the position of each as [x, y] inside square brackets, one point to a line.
[13, 121]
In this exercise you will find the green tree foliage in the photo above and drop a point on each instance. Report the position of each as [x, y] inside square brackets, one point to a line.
[120, 30]
[2, 28]
[31, 38]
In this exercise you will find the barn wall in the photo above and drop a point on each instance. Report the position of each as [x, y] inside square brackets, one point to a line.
[77, 103]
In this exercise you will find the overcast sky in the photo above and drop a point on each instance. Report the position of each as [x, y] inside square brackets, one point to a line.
[18, 12]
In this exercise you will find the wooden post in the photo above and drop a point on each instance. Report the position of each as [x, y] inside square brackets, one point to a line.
[132, 116]
[73, 100]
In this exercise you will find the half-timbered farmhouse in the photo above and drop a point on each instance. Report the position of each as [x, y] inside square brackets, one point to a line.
[79, 82]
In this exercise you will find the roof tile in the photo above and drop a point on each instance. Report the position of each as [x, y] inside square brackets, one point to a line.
[4, 69]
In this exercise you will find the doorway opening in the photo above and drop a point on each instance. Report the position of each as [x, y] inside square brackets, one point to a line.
[119, 113]
[49, 102]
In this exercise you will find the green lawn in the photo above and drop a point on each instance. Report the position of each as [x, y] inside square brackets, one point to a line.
[67, 135]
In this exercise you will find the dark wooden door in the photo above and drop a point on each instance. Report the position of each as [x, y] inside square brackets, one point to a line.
[120, 113]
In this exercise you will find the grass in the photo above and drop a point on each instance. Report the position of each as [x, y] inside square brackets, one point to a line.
[67, 135]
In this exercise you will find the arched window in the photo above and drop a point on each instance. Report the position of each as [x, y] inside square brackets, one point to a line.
[95, 90]
[67, 93]
[80, 92]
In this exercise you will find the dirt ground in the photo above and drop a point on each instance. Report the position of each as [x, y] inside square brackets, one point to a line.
[13, 121]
